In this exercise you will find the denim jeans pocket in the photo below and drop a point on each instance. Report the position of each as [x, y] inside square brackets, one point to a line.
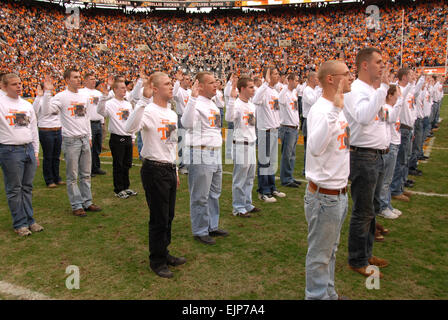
[364, 156]
[328, 200]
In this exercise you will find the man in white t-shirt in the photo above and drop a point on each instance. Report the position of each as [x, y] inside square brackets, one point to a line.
[289, 131]
[202, 120]
[19, 154]
[158, 125]
[327, 171]
[76, 141]
[242, 114]
[96, 121]
[368, 145]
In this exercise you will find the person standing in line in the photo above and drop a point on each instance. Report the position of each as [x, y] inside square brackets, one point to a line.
[76, 141]
[289, 131]
[202, 120]
[242, 114]
[19, 154]
[96, 121]
[327, 171]
[120, 142]
[368, 145]
[268, 122]
[158, 124]
[50, 137]
[310, 95]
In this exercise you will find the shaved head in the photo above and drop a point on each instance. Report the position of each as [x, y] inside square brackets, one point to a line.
[329, 67]
[156, 78]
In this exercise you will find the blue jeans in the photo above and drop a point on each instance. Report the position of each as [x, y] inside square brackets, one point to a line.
[325, 215]
[390, 160]
[434, 117]
[19, 166]
[229, 139]
[204, 185]
[244, 159]
[180, 140]
[139, 144]
[426, 128]
[417, 144]
[78, 161]
[289, 137]
[366, 174]
[305, 135]
[97, 138]
[401, 166]
[51, 146]
[267, 160]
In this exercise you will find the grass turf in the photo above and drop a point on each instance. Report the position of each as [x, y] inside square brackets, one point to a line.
[263, 258]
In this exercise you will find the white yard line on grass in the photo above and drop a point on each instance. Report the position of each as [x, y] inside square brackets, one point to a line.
[20, 292]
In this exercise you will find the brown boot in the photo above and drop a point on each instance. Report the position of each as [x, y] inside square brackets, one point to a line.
[407, 194]
[401, 197]
[378, 236]
[364, 272]
[378, 262]
[381, 229]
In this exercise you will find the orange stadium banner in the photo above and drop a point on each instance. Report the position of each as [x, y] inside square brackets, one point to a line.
[204, 3]
[434, 70]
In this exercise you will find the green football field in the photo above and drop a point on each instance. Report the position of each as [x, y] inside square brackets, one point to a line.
[263, 258]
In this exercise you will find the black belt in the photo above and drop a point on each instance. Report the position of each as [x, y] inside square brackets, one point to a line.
[293, 127]
[405, 126]
[159, 164]
[95, 121]
[246, 143]
[377, 151]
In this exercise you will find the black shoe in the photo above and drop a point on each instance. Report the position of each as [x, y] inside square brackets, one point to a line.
[423, 158]
[255, 209]
[291, 185]
[410, 181]
[408, 185]
[163, 271]
[415, 172]
[205, 239]
[219, 233]
[297, 182]
[175, 261]
[92, 175]
[100, 172]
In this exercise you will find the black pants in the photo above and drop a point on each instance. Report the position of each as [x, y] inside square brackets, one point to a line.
[160, 184]
[121, 148]
[97, 139]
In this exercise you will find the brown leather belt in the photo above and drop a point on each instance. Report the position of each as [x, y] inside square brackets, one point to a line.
[50, 129]
[206, 148]
[378, 151]
[313, 187]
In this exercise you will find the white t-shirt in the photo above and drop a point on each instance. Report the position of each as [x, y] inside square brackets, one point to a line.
[46, 120]
[93, 96]
[309, 98]
[18, 123]
[158, 127]
[181, 97]
[328, 146]
[72, 108]
[118, 113]
[266, 102]
[202, 120]
[363, 109]
[288, 103]
[242, 114]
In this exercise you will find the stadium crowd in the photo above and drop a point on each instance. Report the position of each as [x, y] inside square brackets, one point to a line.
[39, 42]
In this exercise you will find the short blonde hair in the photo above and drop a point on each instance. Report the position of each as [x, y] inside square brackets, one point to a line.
[155, 78]
[7, 77]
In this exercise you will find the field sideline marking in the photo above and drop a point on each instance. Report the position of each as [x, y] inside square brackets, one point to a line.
[20, 292]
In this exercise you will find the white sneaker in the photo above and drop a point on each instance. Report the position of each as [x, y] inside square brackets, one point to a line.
[396, 212]
[388, 214]
[266, 198]
[183, 171]
[278, 194]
